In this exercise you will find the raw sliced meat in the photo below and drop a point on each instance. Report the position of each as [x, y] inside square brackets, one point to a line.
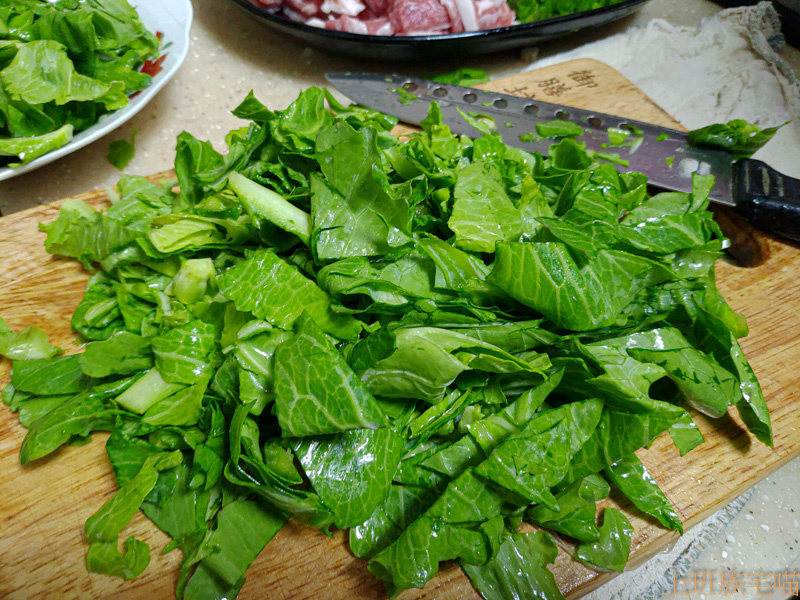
[346, 24]
[456, 25]
[351, 8]
[267, 3]
[364, 27]
[385, 27]
[493, 13]
[379, 8]
[466, 8]
[418, 17]
[395, 17]
[307, 8]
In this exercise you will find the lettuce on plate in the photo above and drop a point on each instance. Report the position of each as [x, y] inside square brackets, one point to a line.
[62, 66]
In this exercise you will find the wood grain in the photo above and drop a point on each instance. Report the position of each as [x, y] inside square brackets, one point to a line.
[43, 506]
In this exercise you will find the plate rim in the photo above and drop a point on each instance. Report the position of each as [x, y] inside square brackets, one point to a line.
[116, 119]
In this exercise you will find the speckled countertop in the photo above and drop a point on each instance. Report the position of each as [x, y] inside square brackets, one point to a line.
[232, 54]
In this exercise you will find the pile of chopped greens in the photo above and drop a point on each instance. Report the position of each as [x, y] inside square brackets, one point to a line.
[425, 341]
[63, 65]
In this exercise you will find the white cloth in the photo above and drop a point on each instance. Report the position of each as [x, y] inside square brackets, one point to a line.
[725, 68]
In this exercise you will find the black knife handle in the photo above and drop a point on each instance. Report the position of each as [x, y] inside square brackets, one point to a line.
[768, 199]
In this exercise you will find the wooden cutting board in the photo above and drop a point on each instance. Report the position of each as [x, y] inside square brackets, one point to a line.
[43, 506]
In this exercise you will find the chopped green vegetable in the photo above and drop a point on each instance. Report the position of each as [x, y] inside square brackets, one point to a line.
[518, 570]
[559, 129]
[464, 76]
[617, 136]
[611, 551]
[29, 344]
[121, 152]
[738, 137]
[634, 480]
[425, 341]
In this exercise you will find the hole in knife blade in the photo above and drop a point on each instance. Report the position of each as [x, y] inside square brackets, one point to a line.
[410, 86]
[562, 114]
[470, 97]
[628, 127]
[595, 121]
[531, 109]
[500, 103]
[440, 92]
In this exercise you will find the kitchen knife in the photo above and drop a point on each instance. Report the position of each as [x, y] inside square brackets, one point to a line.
[759, 193]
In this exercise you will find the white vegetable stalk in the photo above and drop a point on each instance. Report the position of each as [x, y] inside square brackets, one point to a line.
[263, 203]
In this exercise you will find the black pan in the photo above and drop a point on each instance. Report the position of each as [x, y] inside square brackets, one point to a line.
[471, 43]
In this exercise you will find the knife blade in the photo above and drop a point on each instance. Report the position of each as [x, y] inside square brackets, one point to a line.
[770, 200]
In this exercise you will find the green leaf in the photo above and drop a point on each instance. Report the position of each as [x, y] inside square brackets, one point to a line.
[92, 236]
[106, 524]
[611, 551]
[402, 507]
[121, 152]
[351, 471]
[486, 434]
[740, 138]
[575, 295]
[633, 479]
[575, 515]
[29, 344]
[274, 290]
[482, 213]
[121, 354]
[352, 214]
[47, 376]
[184, 407]
[415, 556]
[535, 459]
[618, 434]
[103, 527]
[42, 72]
[182, 354]
[23, 150]
[392, 282]
[147, 391]
[715, 332]
[470, 498]
[243, 529]
[436, 357]
[518, 570]
[105, 558]
[558, 129]
[707, 386]
[462, 273]
[685, 434]
[464, 76]
[316, 392]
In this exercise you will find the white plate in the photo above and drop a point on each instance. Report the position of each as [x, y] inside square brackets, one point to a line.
[173, 18]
